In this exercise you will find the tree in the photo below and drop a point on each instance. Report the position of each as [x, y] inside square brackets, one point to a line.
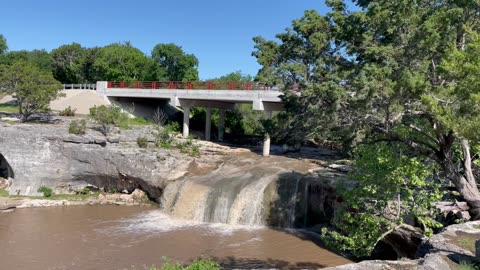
[40, 58]
[173, 64]
[122, 62]
[32, 87]
[68, 62]
[3, 45]
[398, 71]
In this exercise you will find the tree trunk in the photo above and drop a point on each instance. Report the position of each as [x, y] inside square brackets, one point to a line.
[464, 181]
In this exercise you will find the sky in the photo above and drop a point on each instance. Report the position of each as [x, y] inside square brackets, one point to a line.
[218, 32]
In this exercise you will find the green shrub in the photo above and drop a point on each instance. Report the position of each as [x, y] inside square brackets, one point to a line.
[201, 264]
[108, 116]
[142, 142]
[47, 192]
[164, 137]
[67, 112]
[77, 127]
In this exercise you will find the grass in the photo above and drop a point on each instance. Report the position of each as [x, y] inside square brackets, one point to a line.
[140, 121]
[9, 122]
[467, 243]
[3, 193]
[8, 108]
[476, 227]
[468, 266]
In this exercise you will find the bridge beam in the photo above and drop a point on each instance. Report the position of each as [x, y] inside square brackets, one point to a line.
[221, 124]
[186, 121]
[208, 124]
[266, 139]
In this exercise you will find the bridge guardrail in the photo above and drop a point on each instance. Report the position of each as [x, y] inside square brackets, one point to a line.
[80, 86]
[176, 85]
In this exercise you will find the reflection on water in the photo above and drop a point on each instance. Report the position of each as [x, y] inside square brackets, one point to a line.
[112, 237]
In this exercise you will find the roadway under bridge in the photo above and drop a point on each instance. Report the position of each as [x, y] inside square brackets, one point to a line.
[208, 95]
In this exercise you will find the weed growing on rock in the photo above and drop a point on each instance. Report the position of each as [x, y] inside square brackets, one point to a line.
[77, 127]
[67, 112]
[142, 142]
[47, 192]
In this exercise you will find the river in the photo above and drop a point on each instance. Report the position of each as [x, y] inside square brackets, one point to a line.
[114, 237]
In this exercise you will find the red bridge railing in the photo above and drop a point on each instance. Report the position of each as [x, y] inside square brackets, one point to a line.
[209, 85]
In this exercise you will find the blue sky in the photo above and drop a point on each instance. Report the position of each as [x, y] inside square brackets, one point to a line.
[218, 32]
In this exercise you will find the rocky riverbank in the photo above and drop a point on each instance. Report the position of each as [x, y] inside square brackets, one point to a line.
[136, 198]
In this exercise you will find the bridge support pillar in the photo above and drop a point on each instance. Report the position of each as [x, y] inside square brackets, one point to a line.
[186, 121]
[266, 139]
[221, 124]
[208, 124]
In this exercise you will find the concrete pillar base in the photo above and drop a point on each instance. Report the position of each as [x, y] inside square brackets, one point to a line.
[266, 139]
[186, 121]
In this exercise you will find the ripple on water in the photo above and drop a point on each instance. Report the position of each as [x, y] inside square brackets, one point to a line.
[156, 221]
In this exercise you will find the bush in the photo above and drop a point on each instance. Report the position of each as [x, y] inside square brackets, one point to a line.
[67, 112]
[201, 264]
[108, 116]
[77, 127]
[142, 142]
[164, 137]
[47, 192]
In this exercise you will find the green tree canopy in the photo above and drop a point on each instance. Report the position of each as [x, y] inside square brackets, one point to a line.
[173, 64]
[122, 62]
[3, 45]
[394, 71]
[67, 63]
[32, 87]
[40, 58]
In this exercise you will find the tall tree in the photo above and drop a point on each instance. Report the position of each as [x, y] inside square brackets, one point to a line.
[68, 61]
[40, 58]
[397, 71]
[173, 64]
[121, 62]
[3, 45]
[32, 87]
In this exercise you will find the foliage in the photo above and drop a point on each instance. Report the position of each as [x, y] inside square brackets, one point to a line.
[173, 64]
[77, 127]
[47, 192]
[201, 264]
[108, 116]
[67, 112]
[33, 88]
[67, 63]
[3, 45]
[389, 187]
[398, 71]
[122, 62]
[189, 147]
[39, 58]
[142, 142]
[164, 136]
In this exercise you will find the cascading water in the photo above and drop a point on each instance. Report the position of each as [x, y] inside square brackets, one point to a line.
[251, 194]
[237, 199]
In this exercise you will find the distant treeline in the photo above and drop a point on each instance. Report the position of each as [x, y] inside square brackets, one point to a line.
[74, 63]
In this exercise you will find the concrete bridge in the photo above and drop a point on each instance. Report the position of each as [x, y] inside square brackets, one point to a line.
[209, 95]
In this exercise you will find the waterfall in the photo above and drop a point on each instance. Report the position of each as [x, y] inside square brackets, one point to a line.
[293, 206]
[236, 199]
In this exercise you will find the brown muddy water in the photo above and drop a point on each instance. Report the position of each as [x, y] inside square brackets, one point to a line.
[114, 237]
